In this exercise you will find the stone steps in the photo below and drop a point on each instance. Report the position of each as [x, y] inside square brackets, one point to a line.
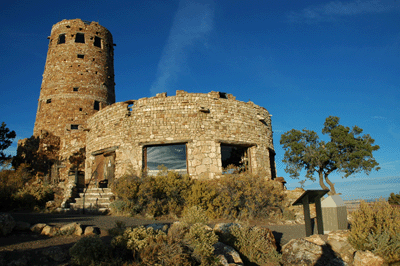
[93, 199]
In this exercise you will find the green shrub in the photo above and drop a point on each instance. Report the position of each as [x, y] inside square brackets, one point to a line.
[376, 228]
[35, 194]
[201, 241]
[194, 215]
[247, 196]
[394, 199]
[202, 194]
[253, 244]
[88, 250]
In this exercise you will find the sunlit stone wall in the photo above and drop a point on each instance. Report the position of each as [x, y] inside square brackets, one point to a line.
[200, 121]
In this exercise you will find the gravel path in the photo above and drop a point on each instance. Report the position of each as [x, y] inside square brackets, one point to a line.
[282, 233]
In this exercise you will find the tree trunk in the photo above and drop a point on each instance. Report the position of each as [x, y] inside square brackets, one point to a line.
[321, 181]
[332, 185]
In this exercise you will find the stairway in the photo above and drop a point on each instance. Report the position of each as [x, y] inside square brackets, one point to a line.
[95, 200]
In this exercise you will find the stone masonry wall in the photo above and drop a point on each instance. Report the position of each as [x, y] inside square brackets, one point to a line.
[78, 81]
[202, 121]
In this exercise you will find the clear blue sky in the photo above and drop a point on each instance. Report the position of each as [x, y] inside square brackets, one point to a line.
[301, 60]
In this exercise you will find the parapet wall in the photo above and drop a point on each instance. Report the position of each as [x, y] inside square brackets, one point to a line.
[200, 121]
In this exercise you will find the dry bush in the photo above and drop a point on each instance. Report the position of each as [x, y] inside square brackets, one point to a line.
[253, 245]
[194, 215]
[18, 190]
[202, 194]
[89, 250]
[241, 195]
[375, 227]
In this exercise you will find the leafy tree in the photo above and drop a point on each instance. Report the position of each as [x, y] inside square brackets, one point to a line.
[394, 199]
[347, 152]
[6, 137]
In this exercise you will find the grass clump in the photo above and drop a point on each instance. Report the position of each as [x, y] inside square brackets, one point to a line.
[376, 228]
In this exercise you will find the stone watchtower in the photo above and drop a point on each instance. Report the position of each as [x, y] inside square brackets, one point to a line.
[78, 81]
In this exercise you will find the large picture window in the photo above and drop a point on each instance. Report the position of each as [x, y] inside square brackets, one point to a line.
[172, 156]
[234, 158]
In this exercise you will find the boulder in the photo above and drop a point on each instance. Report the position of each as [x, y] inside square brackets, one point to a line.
[313, 251]
[50, 231]
[91, 230]
[37, 228]
[71, 229]
[363, 258]
[7, 224]
[227, 255]
[338, 242]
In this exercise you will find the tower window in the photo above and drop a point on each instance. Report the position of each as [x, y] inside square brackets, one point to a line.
[48, 101]
[96, 105]
[80, 38]
[74, 127]
[97, 41]
[223, 95]
[76, 89]
[61, 38]
[81, 56]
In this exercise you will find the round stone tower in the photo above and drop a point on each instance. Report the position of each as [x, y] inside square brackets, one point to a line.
[78, 79]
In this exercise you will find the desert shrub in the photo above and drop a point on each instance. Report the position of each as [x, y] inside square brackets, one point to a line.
[17, 189]
[118, 229]
[202, 194]
[88, 250]
[165, 193]
[247, 196]
[194, 215]
[35, 194]
[394, 199]
[165, 250]
[253, 244]
[201, 241]
[152, 195]
[182, 245]
[376, 228]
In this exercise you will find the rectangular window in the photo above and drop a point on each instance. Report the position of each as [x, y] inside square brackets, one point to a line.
[80, 38]
[74, 127]
[97, 41]
[61, 38]
[48, 101]
[81, 56]
[234, 158]
[172, 156]
[76, 89]
[96, 105]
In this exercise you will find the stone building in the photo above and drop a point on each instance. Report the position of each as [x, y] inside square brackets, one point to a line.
[200, 134]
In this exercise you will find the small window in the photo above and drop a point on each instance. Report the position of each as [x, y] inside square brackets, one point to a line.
[96, 105]
[97, 41]
[76, 89]
[80, 109]
[61, 38]
[234, 158]
[81, 56]
[74, 127]
[48, 101]
[80, 38]
[223, 95]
